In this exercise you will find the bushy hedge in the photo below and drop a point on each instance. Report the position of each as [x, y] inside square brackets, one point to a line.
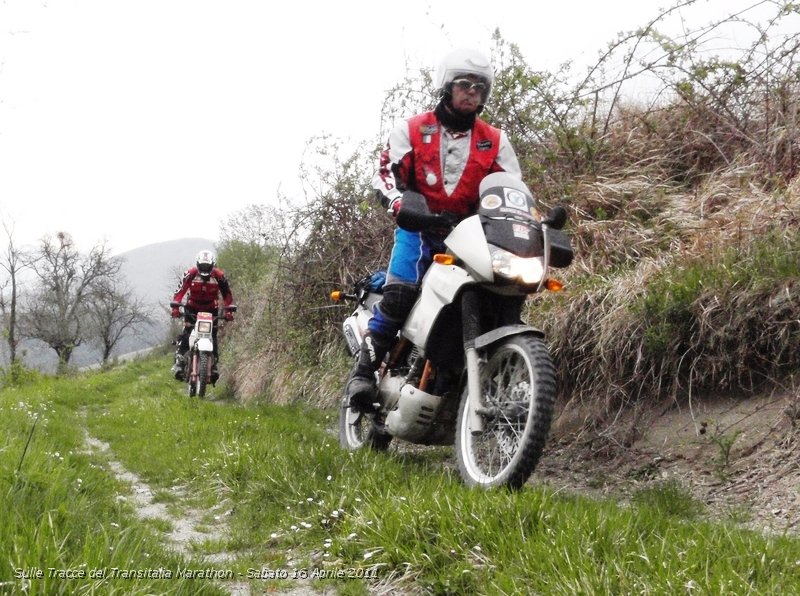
[683, 206]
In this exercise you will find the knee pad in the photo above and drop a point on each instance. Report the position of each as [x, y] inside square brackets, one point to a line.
[397, 301]
[392, 310]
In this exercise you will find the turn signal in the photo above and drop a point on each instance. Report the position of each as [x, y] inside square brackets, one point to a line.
[444, 259]
[336, 295]
[553, 285]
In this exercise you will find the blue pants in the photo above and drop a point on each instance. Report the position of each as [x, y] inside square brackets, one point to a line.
[412, 255]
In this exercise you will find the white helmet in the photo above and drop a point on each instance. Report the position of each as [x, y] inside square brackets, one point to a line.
[464, 61]
[205, 263]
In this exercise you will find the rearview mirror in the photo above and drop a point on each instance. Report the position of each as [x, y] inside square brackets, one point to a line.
[557, 218]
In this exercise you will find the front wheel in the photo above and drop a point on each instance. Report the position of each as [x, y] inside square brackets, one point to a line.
[202, 374]
[359, 430]
[518, 388]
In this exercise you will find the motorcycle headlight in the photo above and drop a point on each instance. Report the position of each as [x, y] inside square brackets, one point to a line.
[204, 327]
[509, 266]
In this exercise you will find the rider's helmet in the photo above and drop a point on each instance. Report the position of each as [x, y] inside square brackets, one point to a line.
[461, 62]
[205, 263]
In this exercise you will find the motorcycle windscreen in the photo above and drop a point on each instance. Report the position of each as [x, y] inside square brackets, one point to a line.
[510, 221]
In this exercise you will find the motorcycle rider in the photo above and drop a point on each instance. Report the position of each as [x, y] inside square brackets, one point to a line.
[442, 154]
[202, 285]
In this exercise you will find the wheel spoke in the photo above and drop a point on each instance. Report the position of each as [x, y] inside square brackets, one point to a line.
[506, 389]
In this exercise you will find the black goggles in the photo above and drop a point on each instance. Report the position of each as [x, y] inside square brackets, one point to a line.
[467, 85]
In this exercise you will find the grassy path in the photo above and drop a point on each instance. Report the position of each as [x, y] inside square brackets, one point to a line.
[262, 500]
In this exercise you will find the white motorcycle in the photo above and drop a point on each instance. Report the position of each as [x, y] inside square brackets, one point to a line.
[199, 370]
[465, 368]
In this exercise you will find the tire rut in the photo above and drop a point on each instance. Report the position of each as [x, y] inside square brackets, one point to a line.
[184, 529]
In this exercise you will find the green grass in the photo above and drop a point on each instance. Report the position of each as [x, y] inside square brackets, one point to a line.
[60, 508]
[669, 306]
[294, 500]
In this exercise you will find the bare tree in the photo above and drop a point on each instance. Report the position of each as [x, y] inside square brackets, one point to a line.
[260, 225]
[57, 314]
[13, 261]
[114, 310]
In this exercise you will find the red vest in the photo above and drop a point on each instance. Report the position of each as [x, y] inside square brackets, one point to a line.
[425, 135]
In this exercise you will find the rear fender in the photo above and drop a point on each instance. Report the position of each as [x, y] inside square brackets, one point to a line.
[355, 326]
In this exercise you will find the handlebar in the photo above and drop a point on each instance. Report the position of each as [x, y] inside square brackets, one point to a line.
[181, 306]
[415, 216]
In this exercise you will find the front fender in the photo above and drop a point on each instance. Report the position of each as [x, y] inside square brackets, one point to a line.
[495, 335]
[205, 345]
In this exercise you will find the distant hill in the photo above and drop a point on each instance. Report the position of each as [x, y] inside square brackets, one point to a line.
[154, 270]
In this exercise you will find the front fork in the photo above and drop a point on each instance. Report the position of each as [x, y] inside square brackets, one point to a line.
[501, 319]
[470, 314]
[194, 365]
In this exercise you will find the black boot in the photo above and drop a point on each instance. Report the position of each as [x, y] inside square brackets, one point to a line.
[214, 372]
[392, 310]
[361, 389]
[179, 367]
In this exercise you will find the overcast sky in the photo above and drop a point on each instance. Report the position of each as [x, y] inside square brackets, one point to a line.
[141, 121]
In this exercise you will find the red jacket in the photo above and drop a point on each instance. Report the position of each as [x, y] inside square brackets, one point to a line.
[203, 295]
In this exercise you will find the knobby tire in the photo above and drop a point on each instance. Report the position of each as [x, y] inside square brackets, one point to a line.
[518, 384]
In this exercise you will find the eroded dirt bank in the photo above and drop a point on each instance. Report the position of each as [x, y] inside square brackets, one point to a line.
[739, 456]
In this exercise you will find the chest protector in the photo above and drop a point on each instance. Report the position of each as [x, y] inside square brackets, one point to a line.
[426, 139]
[203, 294]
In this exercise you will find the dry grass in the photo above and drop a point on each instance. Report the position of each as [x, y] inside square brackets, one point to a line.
[684, 215]
[734, 332]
